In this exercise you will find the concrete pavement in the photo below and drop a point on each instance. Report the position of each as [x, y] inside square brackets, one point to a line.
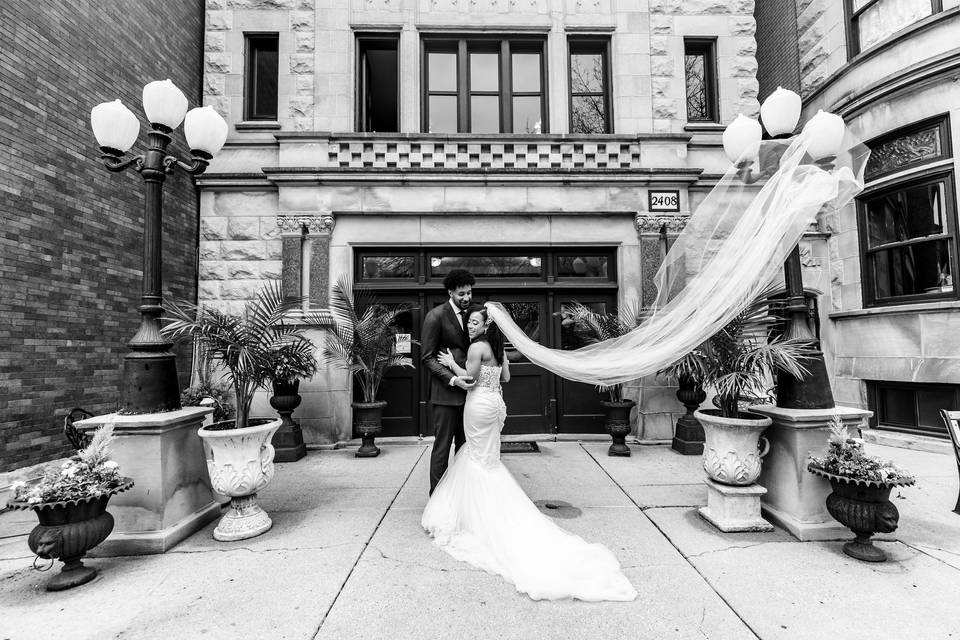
[346, 558]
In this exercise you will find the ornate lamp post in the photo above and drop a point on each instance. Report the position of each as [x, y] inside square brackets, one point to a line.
[780, 113]
[149, 381]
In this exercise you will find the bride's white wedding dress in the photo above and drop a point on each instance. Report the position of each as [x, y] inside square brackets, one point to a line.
[480, 515]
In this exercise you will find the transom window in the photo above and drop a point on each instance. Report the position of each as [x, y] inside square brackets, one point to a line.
[484, 85]
[871, 21]
[405, 267]
[908, 224]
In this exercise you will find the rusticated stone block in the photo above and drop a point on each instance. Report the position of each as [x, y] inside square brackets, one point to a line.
[243, 250]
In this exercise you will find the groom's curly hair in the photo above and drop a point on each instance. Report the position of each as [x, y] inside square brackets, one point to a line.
[458, 278]
[492, 335]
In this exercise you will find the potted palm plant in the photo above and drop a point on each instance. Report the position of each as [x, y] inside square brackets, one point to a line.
[594, 326]
[861, 486]
[739, 362]
[239, 453]
[361, 338]
[70, 501]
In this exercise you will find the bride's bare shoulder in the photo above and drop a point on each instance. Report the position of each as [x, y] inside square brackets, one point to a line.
[482, 348]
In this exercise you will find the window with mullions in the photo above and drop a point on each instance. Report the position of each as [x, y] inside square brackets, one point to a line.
[589, 86]
[871, 21]
[908, 227]
[260, 81]
[484, 85]
[912, 407]
[700, 71]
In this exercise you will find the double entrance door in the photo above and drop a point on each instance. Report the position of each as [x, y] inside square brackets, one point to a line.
[538, 402]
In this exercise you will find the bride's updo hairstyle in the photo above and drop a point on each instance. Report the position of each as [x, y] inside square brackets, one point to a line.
[492, 335]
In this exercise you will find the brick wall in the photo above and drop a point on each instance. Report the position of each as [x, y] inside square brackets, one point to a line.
[71, 233]
[778, 61]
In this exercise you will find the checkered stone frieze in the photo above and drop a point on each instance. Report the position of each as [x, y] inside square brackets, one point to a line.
[402, 154]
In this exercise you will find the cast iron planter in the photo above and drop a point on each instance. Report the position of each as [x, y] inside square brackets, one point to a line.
[368, 422]
[288, 440]
[864, 507]
[688, 435]
[67, 530]
[617, 422]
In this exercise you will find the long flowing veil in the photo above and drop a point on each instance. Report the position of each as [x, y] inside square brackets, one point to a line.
[733, 246]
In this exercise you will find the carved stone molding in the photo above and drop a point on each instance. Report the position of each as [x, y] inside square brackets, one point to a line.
[314, 224]
[652, 222]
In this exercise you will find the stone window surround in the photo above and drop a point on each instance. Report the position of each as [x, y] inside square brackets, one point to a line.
[911, 175]
[854, 54]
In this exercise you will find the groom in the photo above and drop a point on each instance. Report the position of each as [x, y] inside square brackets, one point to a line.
[445, 327]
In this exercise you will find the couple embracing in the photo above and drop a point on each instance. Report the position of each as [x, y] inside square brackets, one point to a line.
[477, 512]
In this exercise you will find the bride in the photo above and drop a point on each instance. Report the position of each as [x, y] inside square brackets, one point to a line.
[480, 515]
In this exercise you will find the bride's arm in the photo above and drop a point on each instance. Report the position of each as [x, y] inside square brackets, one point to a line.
[505, 369]
[475, 358]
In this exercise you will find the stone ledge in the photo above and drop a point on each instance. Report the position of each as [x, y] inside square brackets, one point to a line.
[907, 441]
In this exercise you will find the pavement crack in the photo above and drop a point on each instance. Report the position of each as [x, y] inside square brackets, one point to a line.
[422, 565]
[730, 548]
[367, 543]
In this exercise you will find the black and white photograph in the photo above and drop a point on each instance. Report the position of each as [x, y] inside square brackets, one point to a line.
[479, 319]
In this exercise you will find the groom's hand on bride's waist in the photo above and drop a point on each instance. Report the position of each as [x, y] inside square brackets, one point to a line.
[464, 382]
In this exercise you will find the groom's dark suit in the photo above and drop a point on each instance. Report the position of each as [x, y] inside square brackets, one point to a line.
[442, 330]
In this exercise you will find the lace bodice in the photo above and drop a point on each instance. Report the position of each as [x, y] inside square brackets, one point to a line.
[489, 378]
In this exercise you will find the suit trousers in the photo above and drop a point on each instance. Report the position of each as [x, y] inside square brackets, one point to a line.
[448, 428]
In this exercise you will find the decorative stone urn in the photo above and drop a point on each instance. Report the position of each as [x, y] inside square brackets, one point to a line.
[617, 423]
[731, 450]
[368, 422]
[67, 530]
[288, 440]
[864, 507]
[240, 463]
[688, 434]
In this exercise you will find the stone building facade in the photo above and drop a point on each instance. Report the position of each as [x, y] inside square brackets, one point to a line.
[71, 238]
[890, 316]
[380, 164]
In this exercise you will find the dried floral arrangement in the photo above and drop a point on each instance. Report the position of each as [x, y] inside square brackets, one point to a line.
[845, 457]
[88, 474]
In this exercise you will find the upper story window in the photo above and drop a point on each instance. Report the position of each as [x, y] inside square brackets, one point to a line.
[378, 93]
[871, 21]
[700, 70]
[590, 86]
[908, 222]
[484, 85]
[260, 76]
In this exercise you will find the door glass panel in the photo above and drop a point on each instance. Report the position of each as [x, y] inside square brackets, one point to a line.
[489, 266]
[572, 335]
[389, 267]
[585, 266]
[527, 317]
[443, 114]
[442, 71]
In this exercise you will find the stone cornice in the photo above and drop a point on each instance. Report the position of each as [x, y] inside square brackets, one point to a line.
[294, 222]
[651, 223]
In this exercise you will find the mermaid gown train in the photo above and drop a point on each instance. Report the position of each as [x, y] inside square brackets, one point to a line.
[480, 515]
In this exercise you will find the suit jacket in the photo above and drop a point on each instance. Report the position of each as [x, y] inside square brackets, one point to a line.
[443, 330]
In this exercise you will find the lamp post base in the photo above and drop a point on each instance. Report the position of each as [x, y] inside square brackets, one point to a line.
[149, 383]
